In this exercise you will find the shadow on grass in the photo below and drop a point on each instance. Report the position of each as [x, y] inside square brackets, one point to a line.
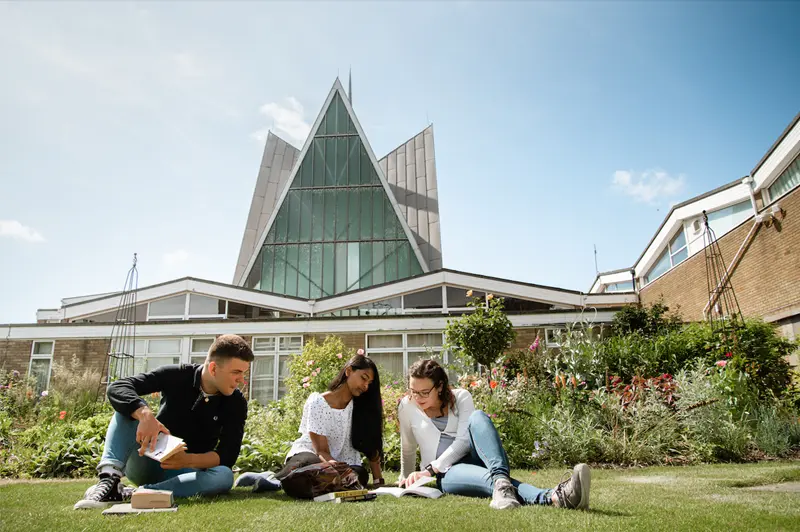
[762, 480]
[610, 513]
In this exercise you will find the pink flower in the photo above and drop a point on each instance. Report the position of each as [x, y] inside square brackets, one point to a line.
[535, 345]
[310, 363]
[339, 355]
[62, 414]
[306, 379]
[45, 393]
[306, 384]
[722, 363]
[360, 352]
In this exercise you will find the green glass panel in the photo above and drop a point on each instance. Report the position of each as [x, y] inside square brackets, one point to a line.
[366, 213]
[416, 269]
[304, 271]
[353, 265]
[279, 279]
[353, 160]
[328, 270]
[378, 263]
[292, 260]
[306, 216]
[353, 214]
[323, 126]
[341, 160]
[316, 271]
[271, 235]
[403, 266]
[341, 214]
[368, 175]
[294, 216]
[306, 174]
[330, 161]
[318, 159]
[330, 215]
[390, 263]
[390, 219]
[340, 269]
[282, 222]
[378, 217]
[318, 216]
[266, 268]
[330, 116]
[365, 256]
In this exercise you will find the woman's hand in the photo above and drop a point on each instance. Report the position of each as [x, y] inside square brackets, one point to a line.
[413, 477]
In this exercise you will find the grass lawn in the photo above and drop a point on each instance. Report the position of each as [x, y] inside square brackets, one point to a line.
[714, 497]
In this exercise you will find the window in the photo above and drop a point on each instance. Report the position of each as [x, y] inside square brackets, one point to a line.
[205, 307]
[169, 308]
[395, 353]
[199, 350]
[41, 364]
[620, 287]
[552, 337]
[723, 220]
[153, 353]
[271, 366]
[788, 180]
[674, 254]
[457, 297]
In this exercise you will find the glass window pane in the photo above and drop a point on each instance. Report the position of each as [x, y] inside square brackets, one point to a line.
[315, 291]
[403, 266]
[342, 118]
[323, 126]
[267, 268]
[318, 158]
[172, 306]
[341, 161]
[201, 345]
[353, 214]
[304, 271]
[318, 215]
[353, 265]
[164, 346]
[43, 348]
[678, 242]
[384, 341]
[390, 365]
[353, 161]
[340, 269]
[282, 223]
[294, 215]
[390, 263]
[378, 263]
[365, 267]
[330, 215]
[157, 362]
[306, 215]
[292, 263]
[292, 344]
[661, 266]
[203, 305]
[328, 262]
[341, 214]
[416, 269]
[330, 162]
[40, 371]
[306, 173]
[262, 390]
[378, 216]
[279, 279]
[368, 175]
[457, 297]
[427, 299]
[424, 340]
[390, 219]
[680, 256]
[197, 360]
[254, 277]
[366, 213]
[271, 234]
[789, 179]
[264, 345]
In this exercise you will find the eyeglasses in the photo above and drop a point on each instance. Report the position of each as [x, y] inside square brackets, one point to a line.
[422, 394]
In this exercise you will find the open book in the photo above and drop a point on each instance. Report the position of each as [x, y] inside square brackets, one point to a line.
[166, 446]
[417, 489]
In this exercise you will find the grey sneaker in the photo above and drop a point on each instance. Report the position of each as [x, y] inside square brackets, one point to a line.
[574, 492]
[107, 491]
[504, 496]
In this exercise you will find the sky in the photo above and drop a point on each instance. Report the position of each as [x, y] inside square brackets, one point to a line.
[139, 127]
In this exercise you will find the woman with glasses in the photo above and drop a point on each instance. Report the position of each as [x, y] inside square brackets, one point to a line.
[461, 447]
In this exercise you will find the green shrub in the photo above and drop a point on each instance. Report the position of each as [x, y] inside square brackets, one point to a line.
[641, 320]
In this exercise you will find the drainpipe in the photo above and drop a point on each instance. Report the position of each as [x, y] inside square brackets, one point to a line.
[749, 182]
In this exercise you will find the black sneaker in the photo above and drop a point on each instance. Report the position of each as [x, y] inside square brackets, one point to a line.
[108, 490]
[574, 492]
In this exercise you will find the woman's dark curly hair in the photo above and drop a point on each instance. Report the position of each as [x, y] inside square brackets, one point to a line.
[430, 369]
[367, 432]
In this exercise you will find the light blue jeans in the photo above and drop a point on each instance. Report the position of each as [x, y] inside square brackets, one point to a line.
[474, 475]
[121, 452]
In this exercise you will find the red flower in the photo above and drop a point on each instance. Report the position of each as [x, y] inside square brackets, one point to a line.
[493, 384]
[728, 354]
[62, 414]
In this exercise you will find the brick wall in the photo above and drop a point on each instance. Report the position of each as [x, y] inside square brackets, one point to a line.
[766, 280]
[15, 354]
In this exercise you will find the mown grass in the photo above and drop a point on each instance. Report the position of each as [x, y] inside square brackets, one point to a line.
[713, 497]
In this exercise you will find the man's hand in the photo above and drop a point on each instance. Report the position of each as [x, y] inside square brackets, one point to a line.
[148, 429]
[413, 477]
[179, 460]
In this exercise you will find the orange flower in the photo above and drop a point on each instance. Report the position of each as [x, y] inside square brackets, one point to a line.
[474, 384]
[493, 385]
[62, 414]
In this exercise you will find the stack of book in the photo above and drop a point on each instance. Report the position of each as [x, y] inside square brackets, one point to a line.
[346, 496]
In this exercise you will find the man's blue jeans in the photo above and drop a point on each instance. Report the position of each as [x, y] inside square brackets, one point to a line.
[122, 452]
[474, 475]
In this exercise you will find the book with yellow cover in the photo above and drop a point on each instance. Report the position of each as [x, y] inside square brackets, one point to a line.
[340, 495]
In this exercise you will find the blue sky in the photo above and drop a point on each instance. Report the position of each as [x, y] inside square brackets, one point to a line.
[139, 127]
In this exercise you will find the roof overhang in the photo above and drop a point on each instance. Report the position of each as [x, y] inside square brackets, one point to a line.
[780, 155]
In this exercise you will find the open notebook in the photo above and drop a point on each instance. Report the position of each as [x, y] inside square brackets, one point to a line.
[166, 446]
[417, 489]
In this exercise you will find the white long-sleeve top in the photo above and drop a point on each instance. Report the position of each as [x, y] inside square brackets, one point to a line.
[417, 429]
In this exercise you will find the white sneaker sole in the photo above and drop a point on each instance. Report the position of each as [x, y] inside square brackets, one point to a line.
[504, 505]
[585, 478]
[85, 504]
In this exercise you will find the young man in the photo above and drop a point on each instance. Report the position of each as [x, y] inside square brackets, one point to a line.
[200, 404]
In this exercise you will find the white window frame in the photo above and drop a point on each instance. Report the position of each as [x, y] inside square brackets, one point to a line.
[49, 357]
[186, 315]
[190, 341]
[405, 349]
[668, 251]
[145, 353]
[768, 192]
[548, 338]
[275, 354]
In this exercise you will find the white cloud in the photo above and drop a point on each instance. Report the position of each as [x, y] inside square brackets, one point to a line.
[649, 186]
[288, 119]
[176, 258]
[14, 229]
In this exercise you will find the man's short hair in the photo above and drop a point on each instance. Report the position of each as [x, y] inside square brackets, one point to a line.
[229, 346]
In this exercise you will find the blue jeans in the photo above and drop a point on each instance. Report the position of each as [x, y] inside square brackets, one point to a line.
[121, 452]
[474, 475]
